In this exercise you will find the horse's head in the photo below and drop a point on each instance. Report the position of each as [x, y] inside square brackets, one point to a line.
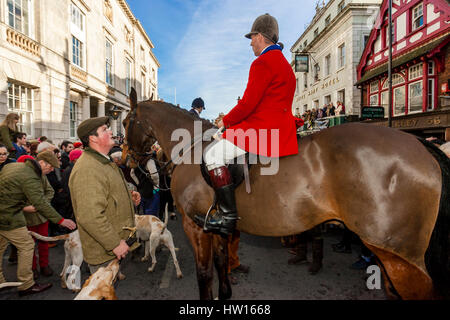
[139, 135]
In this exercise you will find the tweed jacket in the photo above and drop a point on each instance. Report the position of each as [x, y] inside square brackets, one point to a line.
[22, 184]
[102, 205]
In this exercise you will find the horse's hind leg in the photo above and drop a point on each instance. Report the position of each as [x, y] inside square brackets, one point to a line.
[220, 248]
[202, 244]
[407, 280]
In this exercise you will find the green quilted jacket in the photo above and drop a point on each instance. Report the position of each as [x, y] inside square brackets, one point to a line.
[33, 219]
[22, 184]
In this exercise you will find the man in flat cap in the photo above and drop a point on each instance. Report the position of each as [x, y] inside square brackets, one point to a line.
[265, 106]
[22, 183]
[198, 105]
[101, 201]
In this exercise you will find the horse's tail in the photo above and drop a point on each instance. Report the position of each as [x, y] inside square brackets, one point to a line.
[437, 256]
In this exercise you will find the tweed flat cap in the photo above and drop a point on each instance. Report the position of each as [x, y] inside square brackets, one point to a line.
[88, 125]
[49, 157]
[267, 26]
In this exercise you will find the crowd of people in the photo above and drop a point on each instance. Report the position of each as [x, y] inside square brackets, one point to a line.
[315, 116]
[49, 210]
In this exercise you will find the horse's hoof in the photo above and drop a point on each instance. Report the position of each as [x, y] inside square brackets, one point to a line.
[144, 259]
[150, 270]
[179, 276]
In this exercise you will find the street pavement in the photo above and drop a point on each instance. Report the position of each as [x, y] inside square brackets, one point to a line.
[270, 277]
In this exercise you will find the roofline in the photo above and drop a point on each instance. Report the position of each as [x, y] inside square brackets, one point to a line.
[126, 8]
[310, 24]
[349, 7]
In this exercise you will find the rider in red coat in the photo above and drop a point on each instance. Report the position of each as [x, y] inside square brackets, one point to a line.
[261, 123]
[266, 104]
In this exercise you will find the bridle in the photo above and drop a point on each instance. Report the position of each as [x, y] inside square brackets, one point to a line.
[139, 156]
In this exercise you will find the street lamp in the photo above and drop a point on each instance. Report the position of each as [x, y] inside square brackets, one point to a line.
[115, 112]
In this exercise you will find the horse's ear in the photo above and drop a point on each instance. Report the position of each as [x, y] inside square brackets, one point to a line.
[133, 98]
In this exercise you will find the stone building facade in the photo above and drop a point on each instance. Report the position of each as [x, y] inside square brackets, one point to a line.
[64, 61]
[334, 40]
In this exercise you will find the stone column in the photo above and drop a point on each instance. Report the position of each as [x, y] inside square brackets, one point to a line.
[113, 126]
[86, 114]
[101, 108]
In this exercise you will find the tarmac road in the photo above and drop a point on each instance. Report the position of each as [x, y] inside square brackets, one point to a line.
[270, 277]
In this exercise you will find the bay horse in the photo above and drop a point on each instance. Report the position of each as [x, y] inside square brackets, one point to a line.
[383, 184]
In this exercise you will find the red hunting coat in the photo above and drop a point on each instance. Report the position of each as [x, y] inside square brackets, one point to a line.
[265, 106]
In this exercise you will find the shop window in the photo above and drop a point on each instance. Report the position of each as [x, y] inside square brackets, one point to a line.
[374, 100]
[415, 97]
[399, 100]
[430, 95]
[374, 86]
[431, 68]
[397, 79]
[415, 71]
[385, 102]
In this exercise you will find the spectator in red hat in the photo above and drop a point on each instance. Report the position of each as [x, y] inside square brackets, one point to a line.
[77, 145]
[74, 155]
[25, 157]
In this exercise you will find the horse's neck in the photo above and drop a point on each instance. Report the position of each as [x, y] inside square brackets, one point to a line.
[167, 124]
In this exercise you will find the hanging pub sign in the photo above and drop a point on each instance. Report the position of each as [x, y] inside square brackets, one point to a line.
[301, 63]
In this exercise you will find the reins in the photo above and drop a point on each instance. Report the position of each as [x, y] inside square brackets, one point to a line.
[192, 144]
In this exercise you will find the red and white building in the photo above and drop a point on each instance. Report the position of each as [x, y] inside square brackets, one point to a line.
[420, 66]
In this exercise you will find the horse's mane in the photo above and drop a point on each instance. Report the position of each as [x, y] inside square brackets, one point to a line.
[206, 124]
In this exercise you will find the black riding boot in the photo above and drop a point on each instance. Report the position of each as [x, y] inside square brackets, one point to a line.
[224, 221]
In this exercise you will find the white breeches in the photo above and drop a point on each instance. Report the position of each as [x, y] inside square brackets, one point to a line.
[220, 153]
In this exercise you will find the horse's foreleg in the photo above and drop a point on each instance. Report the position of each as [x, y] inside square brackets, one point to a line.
[203, 252]
[220, 248]
[407, 280]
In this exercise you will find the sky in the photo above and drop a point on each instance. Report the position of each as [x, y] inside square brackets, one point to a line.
[201, 47]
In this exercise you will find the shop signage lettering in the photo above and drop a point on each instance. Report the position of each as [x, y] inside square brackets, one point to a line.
[324, 85]
[405, 123]
[435, 120]
[421, 122]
